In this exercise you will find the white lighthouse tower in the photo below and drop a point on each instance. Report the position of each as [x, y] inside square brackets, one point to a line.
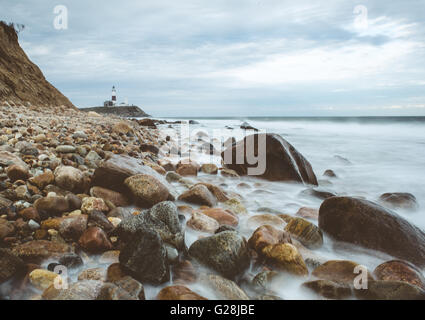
[114, 96]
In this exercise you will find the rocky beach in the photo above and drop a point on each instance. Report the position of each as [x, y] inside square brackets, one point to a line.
[107, 207]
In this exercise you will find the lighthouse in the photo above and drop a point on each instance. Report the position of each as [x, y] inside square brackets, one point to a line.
[114, 96]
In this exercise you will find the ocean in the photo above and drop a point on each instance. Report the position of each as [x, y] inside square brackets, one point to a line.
[370, 156]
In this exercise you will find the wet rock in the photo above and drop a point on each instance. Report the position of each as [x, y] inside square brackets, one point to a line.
[235, 206]
[163, 218]
[396, 270]
[147, 190]
[121, 213]
[118, 199]
[225, 252]
[69, 178]
[398, 200]
[30, 213]
[209, 168]
[16, 172]
[267, 235]
[91, 204]
[305, 232]
[178, 293]
[110, 291]
[72, 228]
[74, 201]
[390, 290]
[38, 250]
[224, 289]
[81, 290]
[145, 257]
[308, 213]
[367, 224]
[51, 205]
[95, 240]
[329, 173]
[71, 260]
[246, 126]
[262, 281]
[283, 161]
[65, 149]
[112, 173]
[199, 194]
[263, 219]
[132, 286]
[285, 256]
[43, 180]
[226, 172]
[216, 191]
[202, 222]
[187, 169]
[184, 272]
[338, 270]
[221, 216]
[10, 265]
[317, 193]
[92, 274]
[329, 289]
[98, 219]
[42, 279]
[171, 176]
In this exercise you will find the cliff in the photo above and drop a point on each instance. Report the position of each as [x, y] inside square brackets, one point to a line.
[21, 81]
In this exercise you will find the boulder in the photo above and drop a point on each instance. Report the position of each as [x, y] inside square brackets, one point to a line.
[390, 290]
[52, 205]
[267, 235]
[147, 190]
[222, 216]
[112, 173]
[16, 172]
[199, 194]
[216, 191]
[329, 289]
[286, 257]
[70, 179]
[117, 198]
[95, 240]
[91, 204]
[369, 225]
[202, 222]
[209, 168]
[145, 257]
[223, 288]
[399, 200]
[282, 161]
[178, 293]
[162, 218]
[10, 265]
[187, 169]
[225, 252]
[338, 270]
[38, 250]
[305, 232]
[397, 270]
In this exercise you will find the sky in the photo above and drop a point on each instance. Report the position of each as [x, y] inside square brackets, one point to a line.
[193, 58]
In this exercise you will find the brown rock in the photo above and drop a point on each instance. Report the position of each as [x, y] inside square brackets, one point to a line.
[329, 289]
[369, 225]
[16, 172]
[147, 190]
[285, 256]
[43, 180]
[73, 227]
[91, 204]
[338, 270]
[209, 168]
[390, 290]
[265, 236]
[223, 217]
[399, 200]
[30, 213]
[216, 191]
[95, 240]
[396, 270]
[184, 272]
[118, 199]
[308, 213]
[39, 250]
[263, 219]
[305, 232]
[178, 293]
[187, 169]
[52, 205]
[202, 222]
[199, 194]
[282, 161]
[70, 178]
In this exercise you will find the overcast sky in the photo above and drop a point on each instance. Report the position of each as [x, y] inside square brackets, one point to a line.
[233, 58]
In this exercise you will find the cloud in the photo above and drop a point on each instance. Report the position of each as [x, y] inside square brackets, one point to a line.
[275, 57]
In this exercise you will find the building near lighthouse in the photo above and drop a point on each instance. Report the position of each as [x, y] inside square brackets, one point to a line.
[113, 101]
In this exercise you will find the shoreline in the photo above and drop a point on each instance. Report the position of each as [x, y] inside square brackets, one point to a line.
[96, 190]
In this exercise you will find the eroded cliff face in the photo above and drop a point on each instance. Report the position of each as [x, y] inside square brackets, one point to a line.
[21, 81]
